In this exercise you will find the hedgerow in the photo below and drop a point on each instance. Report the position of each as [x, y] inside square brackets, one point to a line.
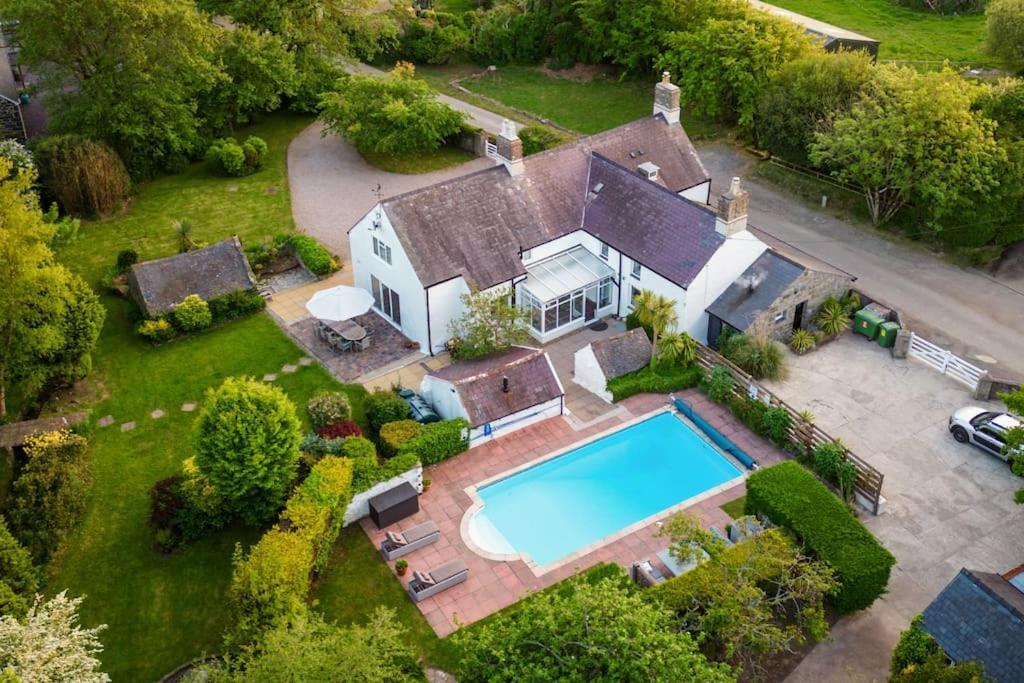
[660, 379]
[793, 498]
[438, 441]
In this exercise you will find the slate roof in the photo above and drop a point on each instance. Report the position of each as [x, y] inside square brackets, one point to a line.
[756, 289]
[16, 433]
[980, 616]
[475, 225]
[531, 380]
[622, 353]
[220, 268]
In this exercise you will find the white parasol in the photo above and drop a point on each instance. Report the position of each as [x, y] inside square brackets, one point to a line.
[339, 303]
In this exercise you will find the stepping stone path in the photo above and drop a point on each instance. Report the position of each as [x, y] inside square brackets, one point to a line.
[127, 426]
[305, 360]
[269, 377]
[105, 421]
[289, 369]
[188, 407]
[157, 414]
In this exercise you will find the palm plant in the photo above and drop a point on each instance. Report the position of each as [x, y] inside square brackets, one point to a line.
[802, 341]
[677, 347]
[832, 318]
[658, 312]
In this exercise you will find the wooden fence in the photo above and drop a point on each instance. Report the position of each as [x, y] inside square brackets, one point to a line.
[868, 482]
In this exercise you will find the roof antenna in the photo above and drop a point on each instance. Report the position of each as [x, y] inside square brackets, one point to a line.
[380, 198]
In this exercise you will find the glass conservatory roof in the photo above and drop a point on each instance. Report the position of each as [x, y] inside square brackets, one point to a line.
[567, 272]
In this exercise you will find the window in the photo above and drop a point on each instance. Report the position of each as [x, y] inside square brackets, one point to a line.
[993, 434]
[527, 254]
[604, 296]
[633, 294]
[386, 300]
[604, 251]
[382, 251]
[780, 316]
[636, 270]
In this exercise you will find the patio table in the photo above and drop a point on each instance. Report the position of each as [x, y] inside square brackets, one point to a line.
[349, 330]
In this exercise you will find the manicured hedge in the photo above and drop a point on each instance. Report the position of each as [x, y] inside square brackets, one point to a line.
[794, 499]
[438, 441]
[385, 406]
[394, 435]
[368, 472]
[658, 380]
[313, 255]
[272, 582]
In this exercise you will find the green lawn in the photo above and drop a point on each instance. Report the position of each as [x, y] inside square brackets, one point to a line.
[584, 106]
[425, 162]
[217, 207]
[734, 508]
[356, 573]
[455, 6]
[162, 610]
[905, 34]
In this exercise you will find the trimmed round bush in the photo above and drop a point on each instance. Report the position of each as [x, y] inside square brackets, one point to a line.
[156, 331]
[394, 435]
[385, 406]
[313, 255]
[126, 258]
[192, 314]
[328, 408]
[358, 447]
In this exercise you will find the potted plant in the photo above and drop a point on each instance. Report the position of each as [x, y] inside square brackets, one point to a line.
[401, 567]
[426, 484]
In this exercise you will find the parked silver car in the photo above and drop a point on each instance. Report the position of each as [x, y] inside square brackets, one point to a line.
[984, 428]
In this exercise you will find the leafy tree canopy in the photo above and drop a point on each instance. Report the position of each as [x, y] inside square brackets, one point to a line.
[489, 323]
[396, 114]
[1004, 25]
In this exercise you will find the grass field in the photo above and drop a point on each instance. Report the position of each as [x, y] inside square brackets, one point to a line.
[419, 162]
[217, 207]
[905, 34]
[585, 106]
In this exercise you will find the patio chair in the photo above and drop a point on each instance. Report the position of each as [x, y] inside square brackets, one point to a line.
[428, 584]
[677, 568]
[364, 343]
[744, 528]
[645, 574]
[396, 545]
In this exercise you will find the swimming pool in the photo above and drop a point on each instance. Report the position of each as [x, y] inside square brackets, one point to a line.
[562, 505]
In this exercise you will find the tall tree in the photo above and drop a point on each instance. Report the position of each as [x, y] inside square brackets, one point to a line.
[49, 645]
[122, 71]
[1004, 25]
[913, 137]
[49, 318]
[602, 632]
[247, 444]
[722, 65]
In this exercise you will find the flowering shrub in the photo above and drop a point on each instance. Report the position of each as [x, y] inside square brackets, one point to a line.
[340, 430]
[328, 408]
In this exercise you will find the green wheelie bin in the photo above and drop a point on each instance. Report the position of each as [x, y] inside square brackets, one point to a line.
[867, 323]
[887, 334]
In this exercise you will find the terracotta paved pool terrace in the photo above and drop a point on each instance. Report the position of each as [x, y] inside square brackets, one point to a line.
[493, 585]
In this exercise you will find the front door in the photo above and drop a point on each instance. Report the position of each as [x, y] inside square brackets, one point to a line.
[798, 316]
[714, 330]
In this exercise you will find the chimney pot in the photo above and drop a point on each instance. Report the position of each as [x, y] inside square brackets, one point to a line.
[666, 99]
[510, 148]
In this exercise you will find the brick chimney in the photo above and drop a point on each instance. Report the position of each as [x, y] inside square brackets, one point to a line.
[732, 210]
[510, 148]
[666, 99]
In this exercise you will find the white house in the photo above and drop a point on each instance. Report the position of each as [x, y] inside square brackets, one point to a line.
[611, 357]
[572, 233]
[497, 394]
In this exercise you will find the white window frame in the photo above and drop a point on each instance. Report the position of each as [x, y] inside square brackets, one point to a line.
[527, 254]
[780, 316]
[636, 269]
[604, 251]
[380, 248]
[634, 292]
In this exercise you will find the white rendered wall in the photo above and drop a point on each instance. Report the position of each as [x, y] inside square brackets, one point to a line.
[588, 374]
[700, 194]
[727, 264]
[398, 276]
[445, 306]
[360, 505]
[442, 395]
[516, 421]
[650, 280]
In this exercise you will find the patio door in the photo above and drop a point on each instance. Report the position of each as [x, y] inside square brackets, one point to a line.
[386, 300]
[590, 304]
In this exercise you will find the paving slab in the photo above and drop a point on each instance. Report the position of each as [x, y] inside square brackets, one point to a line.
[105, 421]
[188, 407]
[289, 369]
[127, 426]
[270, 377]
[305, 361]
[157, 414]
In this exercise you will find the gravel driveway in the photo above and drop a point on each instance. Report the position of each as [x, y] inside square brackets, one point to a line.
[332, 186]
[949, 505]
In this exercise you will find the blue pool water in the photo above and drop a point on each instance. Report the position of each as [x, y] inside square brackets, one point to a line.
[578, 498]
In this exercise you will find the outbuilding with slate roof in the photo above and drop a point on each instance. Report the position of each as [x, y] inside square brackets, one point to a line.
[605, 359]
[497, 394]
[158, 286]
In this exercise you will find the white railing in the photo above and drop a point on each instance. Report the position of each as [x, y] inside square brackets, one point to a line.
[944, 361]
[492, 150]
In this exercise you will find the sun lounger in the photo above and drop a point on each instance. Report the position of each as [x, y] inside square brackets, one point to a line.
[645, 574]
[395, 545]
[677, 568]
[427, 584]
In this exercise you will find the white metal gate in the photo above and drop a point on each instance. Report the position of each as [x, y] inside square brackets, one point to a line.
[944, 361]
[492, 150]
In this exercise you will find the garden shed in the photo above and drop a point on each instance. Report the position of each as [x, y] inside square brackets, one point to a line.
[605, 359]
[15, 435]
[158, 286]
[497, 394]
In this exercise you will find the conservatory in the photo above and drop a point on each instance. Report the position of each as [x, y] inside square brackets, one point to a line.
[565, 292]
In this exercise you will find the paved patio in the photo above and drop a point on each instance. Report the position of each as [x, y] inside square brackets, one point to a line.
[493, 585]
[949, 505]
[583, 405]
[388, 348]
